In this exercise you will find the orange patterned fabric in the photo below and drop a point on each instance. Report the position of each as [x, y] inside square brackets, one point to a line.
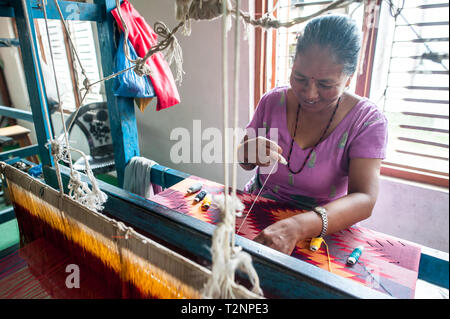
[387, 264]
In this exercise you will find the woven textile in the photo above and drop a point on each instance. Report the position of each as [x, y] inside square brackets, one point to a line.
[387, 264]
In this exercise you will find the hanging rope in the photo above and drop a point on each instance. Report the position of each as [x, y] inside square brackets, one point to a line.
[139, 66]
[61, 150]
[268, 21]
[42, 95]
[228, 258]
[210, 9]
[170, 43]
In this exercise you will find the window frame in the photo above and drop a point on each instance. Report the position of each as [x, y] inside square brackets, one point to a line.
[363, 82]
[70, 60]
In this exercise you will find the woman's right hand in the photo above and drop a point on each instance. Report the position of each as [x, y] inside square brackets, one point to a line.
[260, 151]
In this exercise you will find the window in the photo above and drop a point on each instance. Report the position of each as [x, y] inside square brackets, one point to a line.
[411, 85]
[409, 77]
[68, 71]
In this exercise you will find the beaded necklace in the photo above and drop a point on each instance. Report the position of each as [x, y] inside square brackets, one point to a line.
[312, 149]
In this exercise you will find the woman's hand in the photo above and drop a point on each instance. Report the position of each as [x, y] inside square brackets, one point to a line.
[282, 236]
[260, 151]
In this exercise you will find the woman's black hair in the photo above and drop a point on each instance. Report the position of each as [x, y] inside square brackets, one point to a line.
[339, 33]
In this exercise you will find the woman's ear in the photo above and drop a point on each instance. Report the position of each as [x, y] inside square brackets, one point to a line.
[349, 80]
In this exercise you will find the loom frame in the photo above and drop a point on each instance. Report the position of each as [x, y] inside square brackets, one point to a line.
[283, 275]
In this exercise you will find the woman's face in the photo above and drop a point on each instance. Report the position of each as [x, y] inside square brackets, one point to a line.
[317, 80]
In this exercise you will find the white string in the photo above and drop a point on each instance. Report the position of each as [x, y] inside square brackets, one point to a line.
[83, 71]
[43, 98]
[226, 257]
[61, 150]
[66, 138]
[257, 196]
[237, 47]
[225, 105]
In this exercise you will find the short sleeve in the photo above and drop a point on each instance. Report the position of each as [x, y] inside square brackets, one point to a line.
[371, 139]
[257, 119]
[257, 122]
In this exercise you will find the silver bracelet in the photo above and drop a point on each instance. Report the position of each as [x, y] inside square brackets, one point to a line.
[322, 212]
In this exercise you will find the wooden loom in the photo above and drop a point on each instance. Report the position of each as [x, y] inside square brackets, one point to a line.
[281, 276]
[122, 255]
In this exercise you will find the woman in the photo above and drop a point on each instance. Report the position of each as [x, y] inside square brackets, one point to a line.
[333, 140]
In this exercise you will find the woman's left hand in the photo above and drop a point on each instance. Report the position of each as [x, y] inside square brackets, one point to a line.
[282, 236]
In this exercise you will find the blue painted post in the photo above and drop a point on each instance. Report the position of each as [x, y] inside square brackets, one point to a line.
[121, 110]
[29, 49]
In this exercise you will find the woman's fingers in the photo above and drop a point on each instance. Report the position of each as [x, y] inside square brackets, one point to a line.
[272, 151]
[280, 236]
[260, 151]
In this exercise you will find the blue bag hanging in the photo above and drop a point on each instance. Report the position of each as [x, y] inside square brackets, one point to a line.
[129, 84]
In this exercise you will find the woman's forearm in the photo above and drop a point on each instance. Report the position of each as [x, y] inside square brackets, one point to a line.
[342, 213]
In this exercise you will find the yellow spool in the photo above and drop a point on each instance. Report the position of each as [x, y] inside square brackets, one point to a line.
[315, 243]
[206, 201]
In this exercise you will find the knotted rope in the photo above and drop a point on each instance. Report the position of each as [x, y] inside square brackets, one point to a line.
[173, 54]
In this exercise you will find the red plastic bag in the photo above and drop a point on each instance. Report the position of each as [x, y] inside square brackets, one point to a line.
[142, 37]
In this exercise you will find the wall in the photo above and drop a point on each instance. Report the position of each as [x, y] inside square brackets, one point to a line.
[412, 211]
[200, 90]
[14, 74]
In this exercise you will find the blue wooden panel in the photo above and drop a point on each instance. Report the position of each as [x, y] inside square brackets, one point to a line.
[5, 9]
[121, 110]
[7, 214]
[70, 10]
[16, 113]
[28, 47]
[281, 275]
[20, 152]
[166, 177]
[434, 270]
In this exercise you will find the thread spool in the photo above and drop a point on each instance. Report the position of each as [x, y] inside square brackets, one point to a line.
[354, 256]
[315, 243]
[200, 196]
[206, 202]
[194, 188]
